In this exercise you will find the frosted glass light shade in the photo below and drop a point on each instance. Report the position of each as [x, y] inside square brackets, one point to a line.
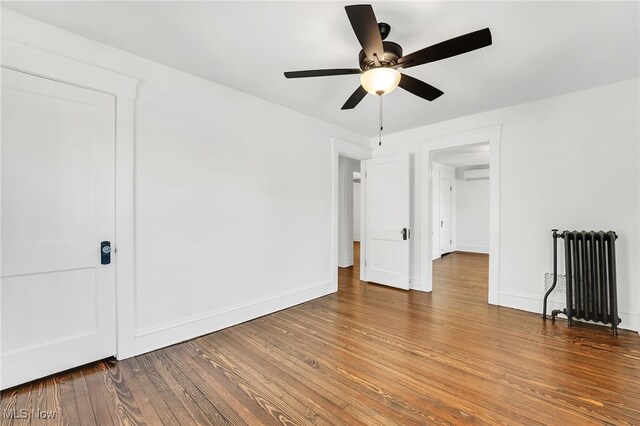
[380, 81]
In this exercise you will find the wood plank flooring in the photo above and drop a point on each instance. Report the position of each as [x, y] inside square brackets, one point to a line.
[366, 355]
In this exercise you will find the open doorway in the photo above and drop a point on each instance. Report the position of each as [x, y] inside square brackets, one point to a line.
[346, 252]
[349, 219]
[357, 220]
[460, 207]
[429, 149]
[349, 211]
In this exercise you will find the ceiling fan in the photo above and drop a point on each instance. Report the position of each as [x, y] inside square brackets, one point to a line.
[380, 60]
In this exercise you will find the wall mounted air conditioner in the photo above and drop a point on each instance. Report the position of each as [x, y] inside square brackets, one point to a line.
[477, 174]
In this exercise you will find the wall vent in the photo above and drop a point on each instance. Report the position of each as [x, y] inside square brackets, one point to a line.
[476, 174]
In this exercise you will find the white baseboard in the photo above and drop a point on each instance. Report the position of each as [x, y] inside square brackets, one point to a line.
[356, 238]
[153, 338]
[532, 302]
[345, 262]
[416, 284]
[472, 249]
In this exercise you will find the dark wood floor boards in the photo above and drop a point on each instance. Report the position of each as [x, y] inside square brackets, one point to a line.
[195, 401]
[105, 409]
[316, 408]
[165, 400]
[10, 404]
[368, 355]
[540, 390]
[261, 375]
[259, 392]
[66, 391]
[455, 357]
[391, 379]
[319, 367]
[218, 386]
[148, 410]
[327, 409]
[307, 363]
[74, 403]
[389, 375]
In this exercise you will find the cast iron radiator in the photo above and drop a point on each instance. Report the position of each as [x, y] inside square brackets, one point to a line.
[590, 262]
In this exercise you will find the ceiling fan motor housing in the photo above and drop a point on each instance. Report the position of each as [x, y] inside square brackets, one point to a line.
[392, 52]
[385, 29]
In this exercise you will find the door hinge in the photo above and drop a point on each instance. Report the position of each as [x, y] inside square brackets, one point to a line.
[451, 188]
[365, 263]
[365, 174]
[450, 241]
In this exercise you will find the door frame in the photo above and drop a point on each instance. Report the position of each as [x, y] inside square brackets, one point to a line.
[489, 135]
[46, 64]
[356, 152]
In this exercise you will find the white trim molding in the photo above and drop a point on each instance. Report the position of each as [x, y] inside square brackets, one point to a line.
[357, 152]
[472, 249]
[532, 302]
[489, 135]
[345, 263]
[50, 65]
[27, 59]
[157, 337]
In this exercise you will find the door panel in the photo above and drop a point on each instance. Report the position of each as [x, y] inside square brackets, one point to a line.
[446, 245]
[58, 203]
[387, 214]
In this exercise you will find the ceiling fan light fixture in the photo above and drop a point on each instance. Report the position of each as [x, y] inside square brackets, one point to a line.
[380, 81]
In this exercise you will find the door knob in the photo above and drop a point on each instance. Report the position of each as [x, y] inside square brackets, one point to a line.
[105, 252]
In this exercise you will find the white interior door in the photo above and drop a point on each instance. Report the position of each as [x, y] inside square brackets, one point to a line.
[387, 220]
[58, 204]
[446, 190]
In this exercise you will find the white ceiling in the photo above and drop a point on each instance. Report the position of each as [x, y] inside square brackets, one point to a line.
[540, 49]
[473, 155]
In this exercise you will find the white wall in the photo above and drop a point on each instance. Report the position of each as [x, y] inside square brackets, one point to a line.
[345, 212]
[357, 211]
[557, 155]
[472, 215]
[225, 228]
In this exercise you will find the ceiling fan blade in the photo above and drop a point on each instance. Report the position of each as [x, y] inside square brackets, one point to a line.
[321, 73]
[364, 24]
[419, 88]
[446, 49]
[355, 98]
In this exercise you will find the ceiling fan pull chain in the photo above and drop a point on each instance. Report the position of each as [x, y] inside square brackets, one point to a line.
[380, 117]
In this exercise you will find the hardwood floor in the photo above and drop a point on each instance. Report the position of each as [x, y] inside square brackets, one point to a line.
[366, 355]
